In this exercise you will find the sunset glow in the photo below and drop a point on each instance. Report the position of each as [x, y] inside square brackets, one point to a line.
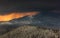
[16, 15]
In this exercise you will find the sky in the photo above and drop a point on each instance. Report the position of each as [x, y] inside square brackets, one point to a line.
[45, 7]
[7, 6]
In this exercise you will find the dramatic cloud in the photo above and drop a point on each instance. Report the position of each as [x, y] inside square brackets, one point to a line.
[15, 15]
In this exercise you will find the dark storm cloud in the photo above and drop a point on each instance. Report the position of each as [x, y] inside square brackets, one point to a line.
[14, 6]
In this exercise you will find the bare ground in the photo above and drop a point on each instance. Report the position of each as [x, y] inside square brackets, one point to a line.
[32, 32]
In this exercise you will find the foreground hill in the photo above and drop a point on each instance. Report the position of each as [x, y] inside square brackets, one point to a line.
[32, 32]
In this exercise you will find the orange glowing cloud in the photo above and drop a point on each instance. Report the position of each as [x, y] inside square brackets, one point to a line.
[14, 15]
